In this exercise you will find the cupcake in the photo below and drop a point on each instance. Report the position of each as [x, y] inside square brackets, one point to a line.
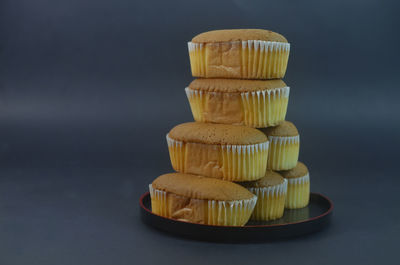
[271, 193]
[298, 193]
[254, 103]
[201, 200]
[228, 152]
[284, 146]
[239, 53]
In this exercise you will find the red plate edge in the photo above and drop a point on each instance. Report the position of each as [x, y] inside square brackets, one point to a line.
[246, 226]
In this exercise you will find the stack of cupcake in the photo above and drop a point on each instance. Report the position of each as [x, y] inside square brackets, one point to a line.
[239, 159]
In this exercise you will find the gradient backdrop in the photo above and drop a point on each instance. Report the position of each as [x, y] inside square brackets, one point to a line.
[88, 90]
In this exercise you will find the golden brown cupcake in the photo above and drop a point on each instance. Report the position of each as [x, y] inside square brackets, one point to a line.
[202, 200]
[271, 193]
[239, 53]
[229, 152]
[284, 146]
[254, 103]
[298, 194]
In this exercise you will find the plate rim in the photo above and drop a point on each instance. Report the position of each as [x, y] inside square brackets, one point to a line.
[329, 211]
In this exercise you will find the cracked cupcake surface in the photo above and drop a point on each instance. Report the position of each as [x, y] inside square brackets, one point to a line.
[198, 199]
[239, 53]
[228, 152]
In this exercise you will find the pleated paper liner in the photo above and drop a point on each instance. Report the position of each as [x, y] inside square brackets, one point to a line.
[254, 109]
[283, 152]
[298, 193]
[209, 212]
[270, 202]
[227, 162]
[252, 59]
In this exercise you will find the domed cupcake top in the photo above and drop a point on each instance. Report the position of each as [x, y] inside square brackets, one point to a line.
[271, 178]
[228, 35]
[300, 170]
[235, 85]
[286, 128]
[211, 133]
[199, 187]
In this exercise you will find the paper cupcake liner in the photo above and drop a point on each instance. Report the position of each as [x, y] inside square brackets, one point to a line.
[245, 162]
[176, 154]
[209, 212]
[270, 202]
[298, 194]
[258, 109]
[158, 201]
[265, 108]
[283, 152]
[197, 103]
[252, 59]
[235, 213]
[227, 162]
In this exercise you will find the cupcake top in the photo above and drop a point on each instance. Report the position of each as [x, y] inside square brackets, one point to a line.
[199, 187]
[271, 178]
[286, 128]
[300, 170]
[234, 85]
[228, 35]
[212, 133]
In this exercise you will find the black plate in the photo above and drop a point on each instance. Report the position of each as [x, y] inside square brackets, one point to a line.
[293, 223]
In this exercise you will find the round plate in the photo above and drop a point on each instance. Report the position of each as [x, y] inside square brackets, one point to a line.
[293, 223]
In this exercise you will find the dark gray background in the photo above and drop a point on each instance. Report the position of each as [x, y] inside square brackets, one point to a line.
[88, 90]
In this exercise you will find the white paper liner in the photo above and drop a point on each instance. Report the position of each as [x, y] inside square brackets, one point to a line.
[269, 93]
[230, 212]
[260, 108]
[284, 139]
[240, 164]
[284, 152]
[262, 54]
[301, 180]
[192, 46]
[256, 44]
[196, 105]
[298, 192]
[238, 161]
[218, 212]
[161, 197]
[267, 192]
[271, 211]
[177, 156]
